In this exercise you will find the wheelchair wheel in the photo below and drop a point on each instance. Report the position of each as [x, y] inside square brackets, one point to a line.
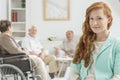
[11, 72]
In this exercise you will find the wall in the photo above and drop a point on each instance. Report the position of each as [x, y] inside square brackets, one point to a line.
[58, 28]
[115, 4]
[3, 9]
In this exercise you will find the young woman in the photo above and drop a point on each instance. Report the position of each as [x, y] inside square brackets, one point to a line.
[97, 56]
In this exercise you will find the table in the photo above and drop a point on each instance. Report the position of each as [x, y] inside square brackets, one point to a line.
[63, 60]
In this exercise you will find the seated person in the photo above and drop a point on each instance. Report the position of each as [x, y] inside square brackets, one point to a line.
[35, 48]
[67, 48]
[9, 45]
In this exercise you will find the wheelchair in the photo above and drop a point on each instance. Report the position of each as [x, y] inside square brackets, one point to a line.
[16, 67]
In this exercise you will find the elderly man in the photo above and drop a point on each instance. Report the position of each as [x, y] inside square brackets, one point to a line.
[68, 46]
[35, 48]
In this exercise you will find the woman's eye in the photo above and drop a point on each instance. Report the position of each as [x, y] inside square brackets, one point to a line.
[91, 18]
[99, 18]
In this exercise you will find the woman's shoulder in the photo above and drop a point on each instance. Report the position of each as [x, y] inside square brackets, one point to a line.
[78, 66]
[3, 36]
[114, 38]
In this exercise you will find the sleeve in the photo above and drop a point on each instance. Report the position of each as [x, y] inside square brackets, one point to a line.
[61, 46]
[116, 77]
[40, 45]
[117, 58]
[26, 44]
[74, 71]
[11, 46]
[117, 62]
[32, 45]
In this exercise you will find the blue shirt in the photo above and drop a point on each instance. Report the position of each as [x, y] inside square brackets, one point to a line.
[107, 62]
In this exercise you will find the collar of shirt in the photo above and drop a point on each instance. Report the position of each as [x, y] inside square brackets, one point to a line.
[28, 36]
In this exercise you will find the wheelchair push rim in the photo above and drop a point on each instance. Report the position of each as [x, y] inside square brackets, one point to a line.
[11, 72]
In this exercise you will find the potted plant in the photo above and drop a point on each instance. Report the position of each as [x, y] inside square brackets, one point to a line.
[23, 3]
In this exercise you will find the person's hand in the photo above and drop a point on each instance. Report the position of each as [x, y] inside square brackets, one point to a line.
[32, 53]
[23, 49]
[71, 51]
[42, 56]
[65, 55]
[57, 51]
[71, 55]
[42, 50]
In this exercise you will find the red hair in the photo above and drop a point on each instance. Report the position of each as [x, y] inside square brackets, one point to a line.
[86, 42]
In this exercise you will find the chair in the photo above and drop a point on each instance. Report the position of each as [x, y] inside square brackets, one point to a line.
[20, 43]
[16, 67]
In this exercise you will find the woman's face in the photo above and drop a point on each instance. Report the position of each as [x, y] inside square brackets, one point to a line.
[98, 21]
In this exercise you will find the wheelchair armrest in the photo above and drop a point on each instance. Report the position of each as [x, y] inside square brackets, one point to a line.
[14, 55]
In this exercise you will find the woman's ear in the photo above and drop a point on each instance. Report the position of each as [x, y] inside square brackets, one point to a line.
[9, 28]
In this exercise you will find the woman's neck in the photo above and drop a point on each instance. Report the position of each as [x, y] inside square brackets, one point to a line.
[7, 33]
[102, 37]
